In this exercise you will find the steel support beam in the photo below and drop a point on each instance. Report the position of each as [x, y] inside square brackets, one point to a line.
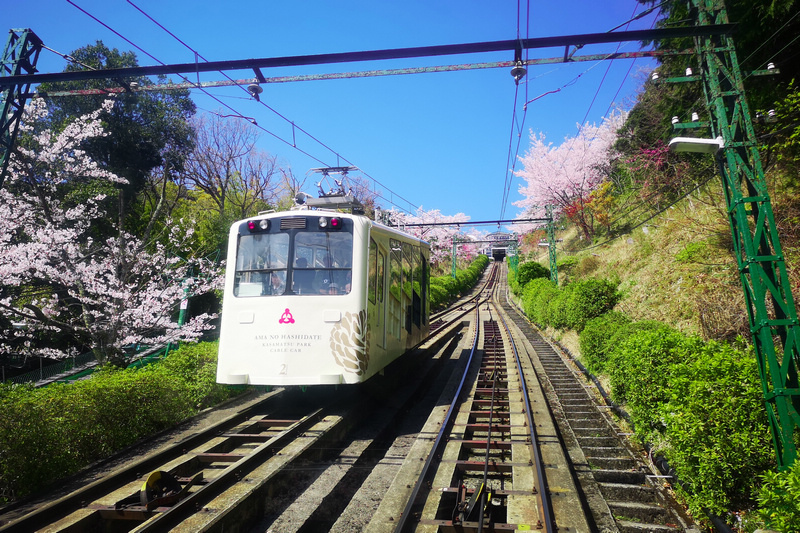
[255, 65]
[187, 85]
[762, 270]
[551, 239]
[19, 60]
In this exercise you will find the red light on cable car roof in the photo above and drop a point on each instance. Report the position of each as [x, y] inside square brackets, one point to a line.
[332, 223]
[258, 225]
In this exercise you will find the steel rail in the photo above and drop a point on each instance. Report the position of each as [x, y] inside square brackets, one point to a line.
[544, 500]
[405, 521]
[488, 440]
[231, 475]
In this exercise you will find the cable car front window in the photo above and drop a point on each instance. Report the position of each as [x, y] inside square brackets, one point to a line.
[323, 263]
[261, 261]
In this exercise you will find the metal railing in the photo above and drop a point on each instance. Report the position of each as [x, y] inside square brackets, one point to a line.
[47, 372]
[74, 367]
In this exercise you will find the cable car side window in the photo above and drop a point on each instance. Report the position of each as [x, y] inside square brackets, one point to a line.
[261, 260]
[373, 270]
[381, 282]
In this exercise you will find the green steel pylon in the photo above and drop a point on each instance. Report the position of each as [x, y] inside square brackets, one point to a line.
[762, 270]
[19, 57]
[455, 242]
[551, 239]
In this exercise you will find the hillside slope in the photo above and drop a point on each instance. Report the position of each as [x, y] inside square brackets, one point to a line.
[677, 267]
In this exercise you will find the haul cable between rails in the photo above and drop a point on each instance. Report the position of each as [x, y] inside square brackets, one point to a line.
[544, 502]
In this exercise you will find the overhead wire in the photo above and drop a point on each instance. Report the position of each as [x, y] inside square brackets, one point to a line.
[234, 111]
[645, 203]
[746, 75]
[599, 87]
[574, 80]
[237, 114]
[270, 108]
[69, 58]
[516, 123]
[511, 167]
[512, 161]
[633, 62]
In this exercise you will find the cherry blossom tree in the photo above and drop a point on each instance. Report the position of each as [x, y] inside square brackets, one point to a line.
[565, 175]
[441, 232]
[65, 286]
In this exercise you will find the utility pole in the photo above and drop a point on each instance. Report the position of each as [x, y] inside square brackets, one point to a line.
[19, 57]
[760, 260]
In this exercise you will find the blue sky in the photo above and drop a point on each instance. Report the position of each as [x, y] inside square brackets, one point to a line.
[439, 140]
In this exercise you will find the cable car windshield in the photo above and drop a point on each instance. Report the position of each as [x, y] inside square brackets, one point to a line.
[321, 264]
[261, 263]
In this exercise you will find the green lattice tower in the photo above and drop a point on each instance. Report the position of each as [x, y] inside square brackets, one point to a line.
[551, 246]
[455, 242]
[762, 270]
[19, 57]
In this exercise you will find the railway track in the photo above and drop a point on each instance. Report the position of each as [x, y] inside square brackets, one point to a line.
[179, 479]
[483, 428]
[228, 474]
[490, 460]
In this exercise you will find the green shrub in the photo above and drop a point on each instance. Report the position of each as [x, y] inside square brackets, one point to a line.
[438, 294]
[716, 431]
[445, 289]
[196, 366]
[637, 371]
[35, 442]
[52, 432]
[513, 284]
[616, 365]
[594, 339]
[558, 309]
[536, 299]
[530, 271]
[779, 499]
[590, 298]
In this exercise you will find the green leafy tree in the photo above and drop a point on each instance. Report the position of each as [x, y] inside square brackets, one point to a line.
[145, 130]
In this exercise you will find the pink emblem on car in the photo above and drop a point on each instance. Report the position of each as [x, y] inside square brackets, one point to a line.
[286, 318]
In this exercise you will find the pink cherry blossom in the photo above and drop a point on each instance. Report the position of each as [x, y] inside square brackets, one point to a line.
[59, 280]
[565, 175]
[439, 236]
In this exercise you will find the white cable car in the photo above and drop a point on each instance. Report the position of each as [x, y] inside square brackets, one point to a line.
[319, 297]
